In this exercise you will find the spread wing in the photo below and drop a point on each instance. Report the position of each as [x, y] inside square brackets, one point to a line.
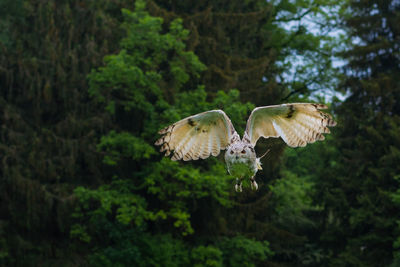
[297, 123]
[197, 136]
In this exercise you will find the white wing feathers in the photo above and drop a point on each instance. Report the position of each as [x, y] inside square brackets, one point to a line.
[197, 136]
[297, 124]
[207, 133]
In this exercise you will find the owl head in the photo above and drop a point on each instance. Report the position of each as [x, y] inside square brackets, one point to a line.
[240, 150]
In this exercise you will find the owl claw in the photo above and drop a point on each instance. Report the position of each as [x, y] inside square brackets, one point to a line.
[238, 187]
[254, 185]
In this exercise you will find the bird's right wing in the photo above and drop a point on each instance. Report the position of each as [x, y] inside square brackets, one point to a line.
[197, 136]
[297, 123]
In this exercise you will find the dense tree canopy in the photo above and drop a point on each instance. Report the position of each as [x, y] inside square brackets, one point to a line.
[86, 86]
[368, 141]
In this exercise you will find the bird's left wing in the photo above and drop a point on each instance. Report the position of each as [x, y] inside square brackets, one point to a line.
[296, 123]
[197, 136]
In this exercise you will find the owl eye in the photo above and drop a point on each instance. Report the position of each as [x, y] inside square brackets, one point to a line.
[231, 152]
[243, 151]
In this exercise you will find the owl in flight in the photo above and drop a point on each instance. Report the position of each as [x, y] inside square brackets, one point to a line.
[207, 133]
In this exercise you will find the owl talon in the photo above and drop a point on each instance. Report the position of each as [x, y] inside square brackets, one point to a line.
[238, 187]
[254, 185]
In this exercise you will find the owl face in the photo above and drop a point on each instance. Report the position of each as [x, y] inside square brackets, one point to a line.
[241, 160]
[240, 150]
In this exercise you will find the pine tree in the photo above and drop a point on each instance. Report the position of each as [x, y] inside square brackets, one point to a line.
[360, 214]
[49, 125]
[232, 39]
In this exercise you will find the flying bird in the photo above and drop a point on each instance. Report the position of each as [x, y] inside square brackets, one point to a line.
[207, 133]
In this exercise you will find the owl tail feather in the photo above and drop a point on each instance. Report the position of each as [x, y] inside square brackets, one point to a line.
[258, 162]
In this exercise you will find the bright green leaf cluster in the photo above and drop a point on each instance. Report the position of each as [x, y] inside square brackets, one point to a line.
[136, 83]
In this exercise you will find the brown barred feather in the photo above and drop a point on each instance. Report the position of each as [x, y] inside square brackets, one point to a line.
[207, 133]
[297, 124]
[197, 136]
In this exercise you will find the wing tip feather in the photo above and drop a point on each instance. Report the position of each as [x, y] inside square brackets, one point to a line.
[175, 157]
[175, 138]
[205, 155]
[163, 131]
[319, 106]
[159, 142]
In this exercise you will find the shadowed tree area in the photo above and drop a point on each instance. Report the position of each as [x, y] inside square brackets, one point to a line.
[86, 86]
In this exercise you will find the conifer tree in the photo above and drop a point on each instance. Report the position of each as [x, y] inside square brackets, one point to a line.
[361, 218]
[75, 163]
[49, 126]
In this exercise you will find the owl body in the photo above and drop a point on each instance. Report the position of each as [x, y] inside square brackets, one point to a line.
[241, 162]
[207, 133]
[240, 159]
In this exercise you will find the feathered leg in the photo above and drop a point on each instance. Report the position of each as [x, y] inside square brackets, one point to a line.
[238, 185]
[254, 184]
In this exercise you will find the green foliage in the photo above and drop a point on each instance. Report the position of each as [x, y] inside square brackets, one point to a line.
[85, 87]
[362, 187]
[49, 126]
[4, 251]
[235, 251]
[131, 78]
[123, 145]
[308, 41]
[206, 256]
[128, 85]
[288, 190]
[161, 192]
[297, 196]
[10, 11]
[127, 246]
[242, 251]
[117, 199]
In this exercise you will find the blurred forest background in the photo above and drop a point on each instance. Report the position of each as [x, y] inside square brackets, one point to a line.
[86, 85]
